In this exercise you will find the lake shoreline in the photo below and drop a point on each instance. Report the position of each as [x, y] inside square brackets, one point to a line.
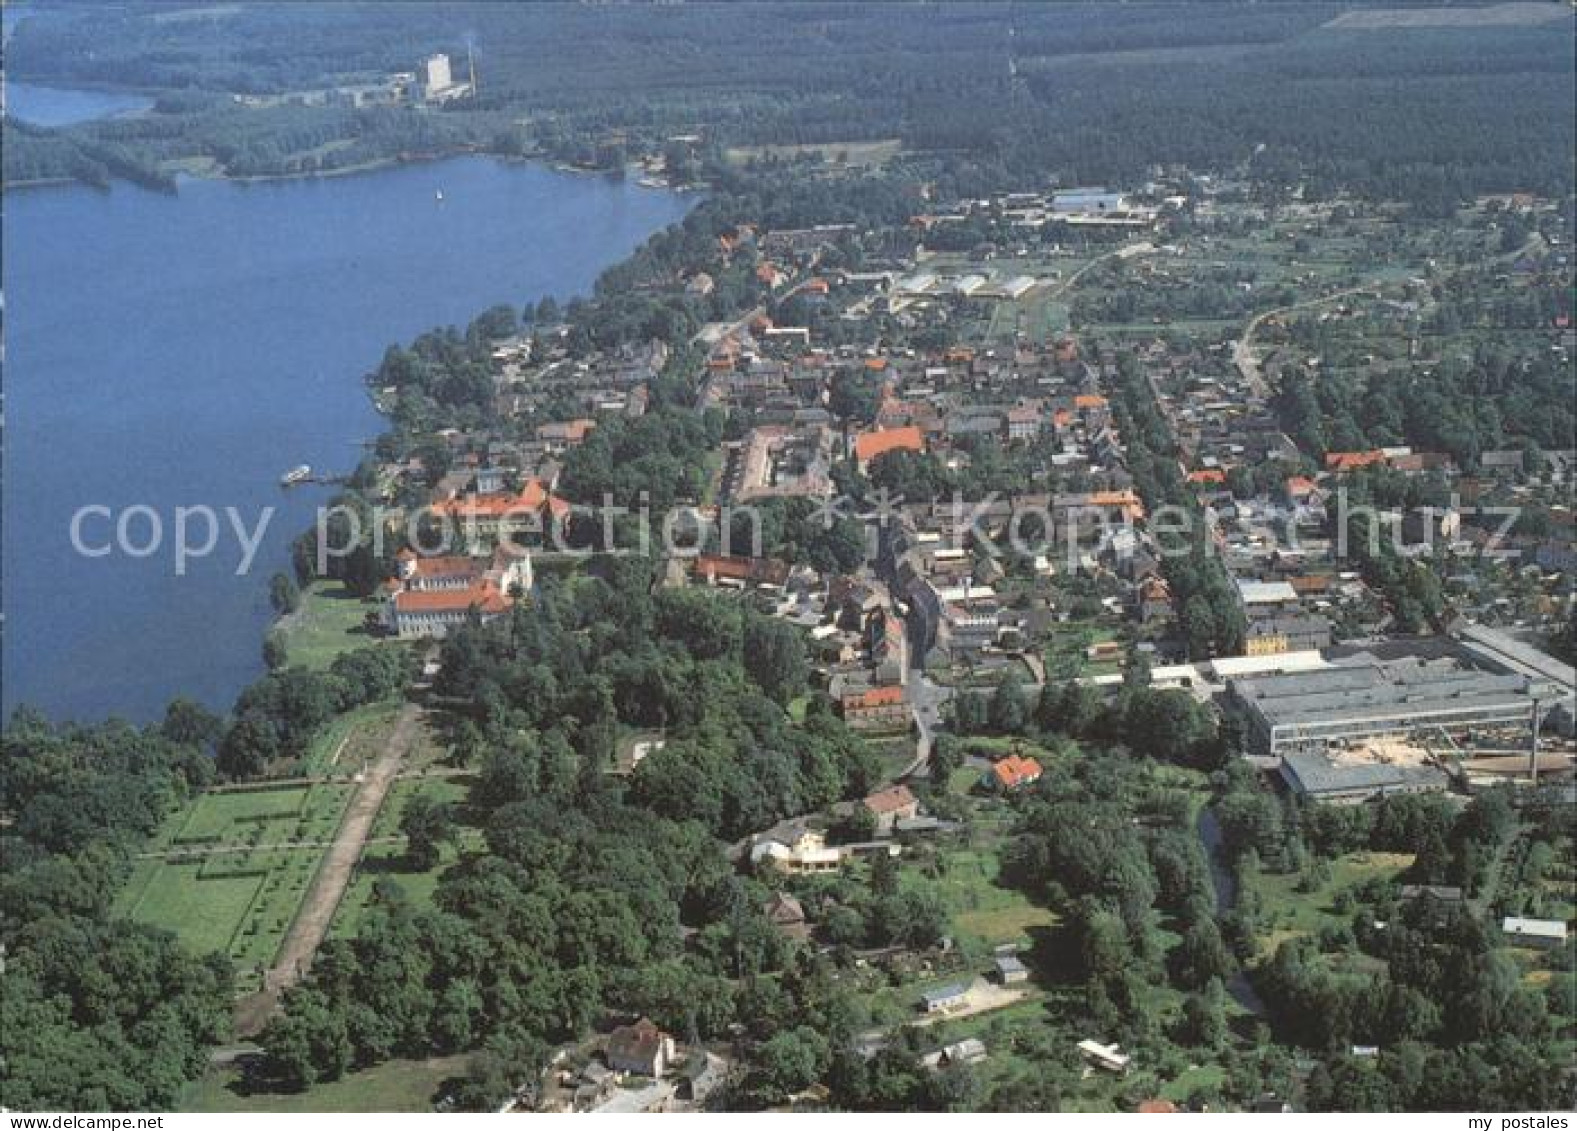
[355, 238]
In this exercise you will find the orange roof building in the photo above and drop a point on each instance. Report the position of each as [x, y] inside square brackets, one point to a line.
[1207, 475]
[873, 697]
[1014, 771]
[433, 595]
[499, 514]
[1352, 461]
[875, 708]
[1126, 501]
[1089, 400]
[869, 445]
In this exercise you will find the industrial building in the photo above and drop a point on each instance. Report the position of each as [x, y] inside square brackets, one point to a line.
[1364, 696]
[1552, 681]
[1316, 777]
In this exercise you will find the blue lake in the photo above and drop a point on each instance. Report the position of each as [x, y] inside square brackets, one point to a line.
[52, 106]
[185, 350]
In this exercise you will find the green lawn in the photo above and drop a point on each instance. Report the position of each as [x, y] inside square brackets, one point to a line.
[238, 902]
[977, 907]
[387, 861]
[330, 620]
[340, 747]
[229, 817]
[1288, 912]
[204, 913]
[398, 1085]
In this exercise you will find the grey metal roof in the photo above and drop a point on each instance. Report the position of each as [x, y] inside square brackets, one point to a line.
[945, 993]
[1520, 656]
[1316, 774]
[1373, 691]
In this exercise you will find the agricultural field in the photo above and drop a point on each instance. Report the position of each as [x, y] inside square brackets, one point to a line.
[227, 872]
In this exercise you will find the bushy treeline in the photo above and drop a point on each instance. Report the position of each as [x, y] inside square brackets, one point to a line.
[276, 718]
[1208, 613]
[96, 1013]
[590, 881]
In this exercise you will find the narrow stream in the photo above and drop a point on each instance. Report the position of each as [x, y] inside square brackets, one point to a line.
[1225, 885]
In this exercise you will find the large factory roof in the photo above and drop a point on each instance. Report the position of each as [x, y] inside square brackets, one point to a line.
[1505, 650]
[1356, 692]
[1315, 775]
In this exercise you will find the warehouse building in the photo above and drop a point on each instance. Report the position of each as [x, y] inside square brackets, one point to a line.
[1314, 776]
[1365, 696]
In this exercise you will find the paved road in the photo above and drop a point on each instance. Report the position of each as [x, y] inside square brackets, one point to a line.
[925, 699]
[312, 921]
[1243, 349]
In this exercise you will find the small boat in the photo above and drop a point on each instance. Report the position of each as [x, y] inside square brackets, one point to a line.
[439, 196]
[295, 475]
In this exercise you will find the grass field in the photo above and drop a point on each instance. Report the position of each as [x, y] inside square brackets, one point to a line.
[224, 883]
[1289, 912]
[330, 621]
[398, 1085]
[979, 909]
[387, 861]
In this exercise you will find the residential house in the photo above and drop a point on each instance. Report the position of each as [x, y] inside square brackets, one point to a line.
[787, 914]
[891, 805]
[945, 999]
[875, 708]
[1014, 771]
[641, 1049]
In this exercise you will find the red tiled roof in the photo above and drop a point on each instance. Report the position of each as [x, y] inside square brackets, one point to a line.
[1351, 461]
[573, 431]
[533, 498]
[714, 566]
[875, 697]
[1015, 771]
[484, 595]
[890, 800]
[869, 445]
[443, 566]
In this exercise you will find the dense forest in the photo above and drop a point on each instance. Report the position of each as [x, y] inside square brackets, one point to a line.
[99, 1014]
[1427, 114]
[580, 904]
